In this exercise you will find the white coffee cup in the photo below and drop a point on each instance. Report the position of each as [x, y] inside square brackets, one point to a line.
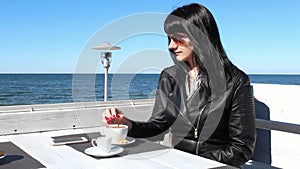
[118, 132]
[103, 143]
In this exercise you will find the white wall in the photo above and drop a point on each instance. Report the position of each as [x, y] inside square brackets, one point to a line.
[283, 103]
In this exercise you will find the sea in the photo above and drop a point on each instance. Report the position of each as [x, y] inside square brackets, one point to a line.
[28, 89]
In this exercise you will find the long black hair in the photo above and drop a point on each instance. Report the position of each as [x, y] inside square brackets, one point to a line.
[199, 24]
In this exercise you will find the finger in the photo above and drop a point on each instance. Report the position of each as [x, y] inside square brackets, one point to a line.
[114, 111]
[107, 112]
[105, 119]
[117, 110]
[107, 116]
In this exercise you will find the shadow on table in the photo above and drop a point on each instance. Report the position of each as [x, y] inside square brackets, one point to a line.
[142, 146]
[138, 146]
[10, 158]
[17, 158]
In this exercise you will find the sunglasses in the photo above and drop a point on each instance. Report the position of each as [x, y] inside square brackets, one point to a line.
[178, 38]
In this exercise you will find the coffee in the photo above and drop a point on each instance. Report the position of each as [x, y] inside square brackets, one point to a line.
[117, 126]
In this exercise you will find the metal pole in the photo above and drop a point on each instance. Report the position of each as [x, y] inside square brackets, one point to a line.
[105, 84]
[106, 65]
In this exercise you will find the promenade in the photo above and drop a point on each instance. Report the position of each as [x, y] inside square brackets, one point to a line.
[273, 102]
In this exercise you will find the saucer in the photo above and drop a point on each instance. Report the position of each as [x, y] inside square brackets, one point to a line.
[128, 140]
[97, 152]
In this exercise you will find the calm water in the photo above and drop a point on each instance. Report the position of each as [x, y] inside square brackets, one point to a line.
[21, 89]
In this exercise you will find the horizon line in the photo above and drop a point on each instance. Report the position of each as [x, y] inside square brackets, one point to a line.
[130, 73]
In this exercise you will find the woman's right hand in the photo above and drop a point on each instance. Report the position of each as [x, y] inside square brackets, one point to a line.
[115, 116]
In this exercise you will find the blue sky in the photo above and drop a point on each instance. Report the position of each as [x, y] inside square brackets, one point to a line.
[259, 36]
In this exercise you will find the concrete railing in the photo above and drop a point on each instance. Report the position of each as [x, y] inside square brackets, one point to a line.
[40, 118]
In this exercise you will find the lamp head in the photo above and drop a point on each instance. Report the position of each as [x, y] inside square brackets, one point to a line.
[105, 55]
[106, 59]
[106, 46]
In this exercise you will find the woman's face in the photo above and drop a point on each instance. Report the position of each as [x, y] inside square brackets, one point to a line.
[181, 46]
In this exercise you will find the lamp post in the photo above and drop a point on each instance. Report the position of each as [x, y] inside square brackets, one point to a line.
[106, 59]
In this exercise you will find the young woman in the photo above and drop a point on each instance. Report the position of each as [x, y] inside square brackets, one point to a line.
[204, 100]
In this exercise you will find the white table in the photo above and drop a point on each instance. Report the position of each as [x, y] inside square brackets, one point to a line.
[56, 157]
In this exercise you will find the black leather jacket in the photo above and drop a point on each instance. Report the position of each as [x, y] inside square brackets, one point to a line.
[226, 129]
